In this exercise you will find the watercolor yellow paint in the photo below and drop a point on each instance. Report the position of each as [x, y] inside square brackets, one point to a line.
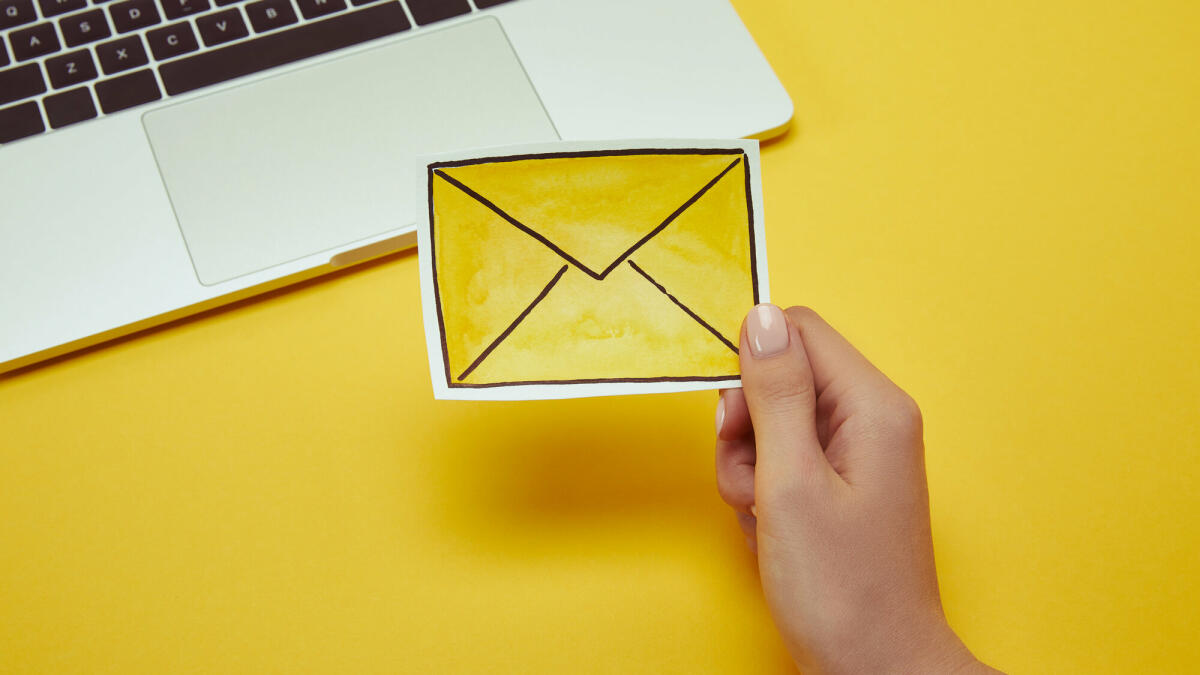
[630, 266]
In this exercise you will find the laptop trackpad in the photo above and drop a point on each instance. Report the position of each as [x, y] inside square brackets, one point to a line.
[313, 159]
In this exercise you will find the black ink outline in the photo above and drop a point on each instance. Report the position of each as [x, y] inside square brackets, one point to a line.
[601, 380]
[437, 294]
[682, 306]
[753, 252]
[599, 276]
[566, 155]
[516, 322]
[587, 153]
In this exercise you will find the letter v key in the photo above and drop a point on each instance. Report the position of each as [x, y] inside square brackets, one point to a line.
[221, 27]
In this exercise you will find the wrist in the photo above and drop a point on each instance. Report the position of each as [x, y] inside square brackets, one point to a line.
[942, 652]
[914, 646]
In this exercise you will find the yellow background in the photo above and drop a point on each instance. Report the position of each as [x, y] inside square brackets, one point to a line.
[997, 201]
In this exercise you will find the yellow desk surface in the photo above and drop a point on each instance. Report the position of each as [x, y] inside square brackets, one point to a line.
[999, 202]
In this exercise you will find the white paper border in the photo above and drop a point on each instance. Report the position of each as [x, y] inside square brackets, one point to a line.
[523, 392]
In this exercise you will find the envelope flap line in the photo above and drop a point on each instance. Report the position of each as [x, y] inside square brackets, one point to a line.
[518, 224]
[687, 310]
[567, 256]
[512, 326]
[670, 219]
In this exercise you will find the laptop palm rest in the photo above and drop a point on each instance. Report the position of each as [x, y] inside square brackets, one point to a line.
[317, 158]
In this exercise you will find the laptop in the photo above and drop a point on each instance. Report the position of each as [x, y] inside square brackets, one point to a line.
[162, 157]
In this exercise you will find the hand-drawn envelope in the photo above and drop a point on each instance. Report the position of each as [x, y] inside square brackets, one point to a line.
[606, 266]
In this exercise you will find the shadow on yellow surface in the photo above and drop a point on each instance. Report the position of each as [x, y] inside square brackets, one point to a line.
[616, 490]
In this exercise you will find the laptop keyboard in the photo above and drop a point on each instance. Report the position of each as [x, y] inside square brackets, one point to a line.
[64, 62]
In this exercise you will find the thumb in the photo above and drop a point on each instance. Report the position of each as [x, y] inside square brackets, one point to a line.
[781, 395]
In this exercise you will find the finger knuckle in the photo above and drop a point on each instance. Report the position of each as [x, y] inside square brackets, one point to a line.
[728, 490]
[736, 491]
[802, 315]
[901, 414]
[781, 391]
[780, 496]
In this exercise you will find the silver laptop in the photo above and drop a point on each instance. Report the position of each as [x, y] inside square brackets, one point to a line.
[162, 157]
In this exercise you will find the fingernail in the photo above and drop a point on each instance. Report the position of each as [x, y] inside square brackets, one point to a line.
[767, 331]
[754, 510]
[720, 414]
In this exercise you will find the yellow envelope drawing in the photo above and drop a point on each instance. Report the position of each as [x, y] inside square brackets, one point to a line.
[621, 266]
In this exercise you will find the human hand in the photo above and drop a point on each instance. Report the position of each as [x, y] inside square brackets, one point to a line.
[822, 457]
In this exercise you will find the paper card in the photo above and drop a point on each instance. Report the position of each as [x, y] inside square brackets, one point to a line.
[560, 270]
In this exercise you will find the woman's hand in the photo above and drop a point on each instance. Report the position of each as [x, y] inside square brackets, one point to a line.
[822, 457]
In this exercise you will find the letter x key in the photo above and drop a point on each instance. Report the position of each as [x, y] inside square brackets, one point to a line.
[121, 54]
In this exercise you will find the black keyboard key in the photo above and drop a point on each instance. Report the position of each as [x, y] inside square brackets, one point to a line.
[69, 107]
[276, 49]
[172, 40]
[177, 9]
[223, 3]
[270, 14]
[20, 121]
[21, 82]
[222, 27]
[312, 9]
[134, 14]
[16, 12]
[127, 91]
[428, 11]
[71, 68]
[3, 55]
[121, 54]
[84, 28]
[481, 4]
[359, 3]
[55, 7]
[34, 41]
